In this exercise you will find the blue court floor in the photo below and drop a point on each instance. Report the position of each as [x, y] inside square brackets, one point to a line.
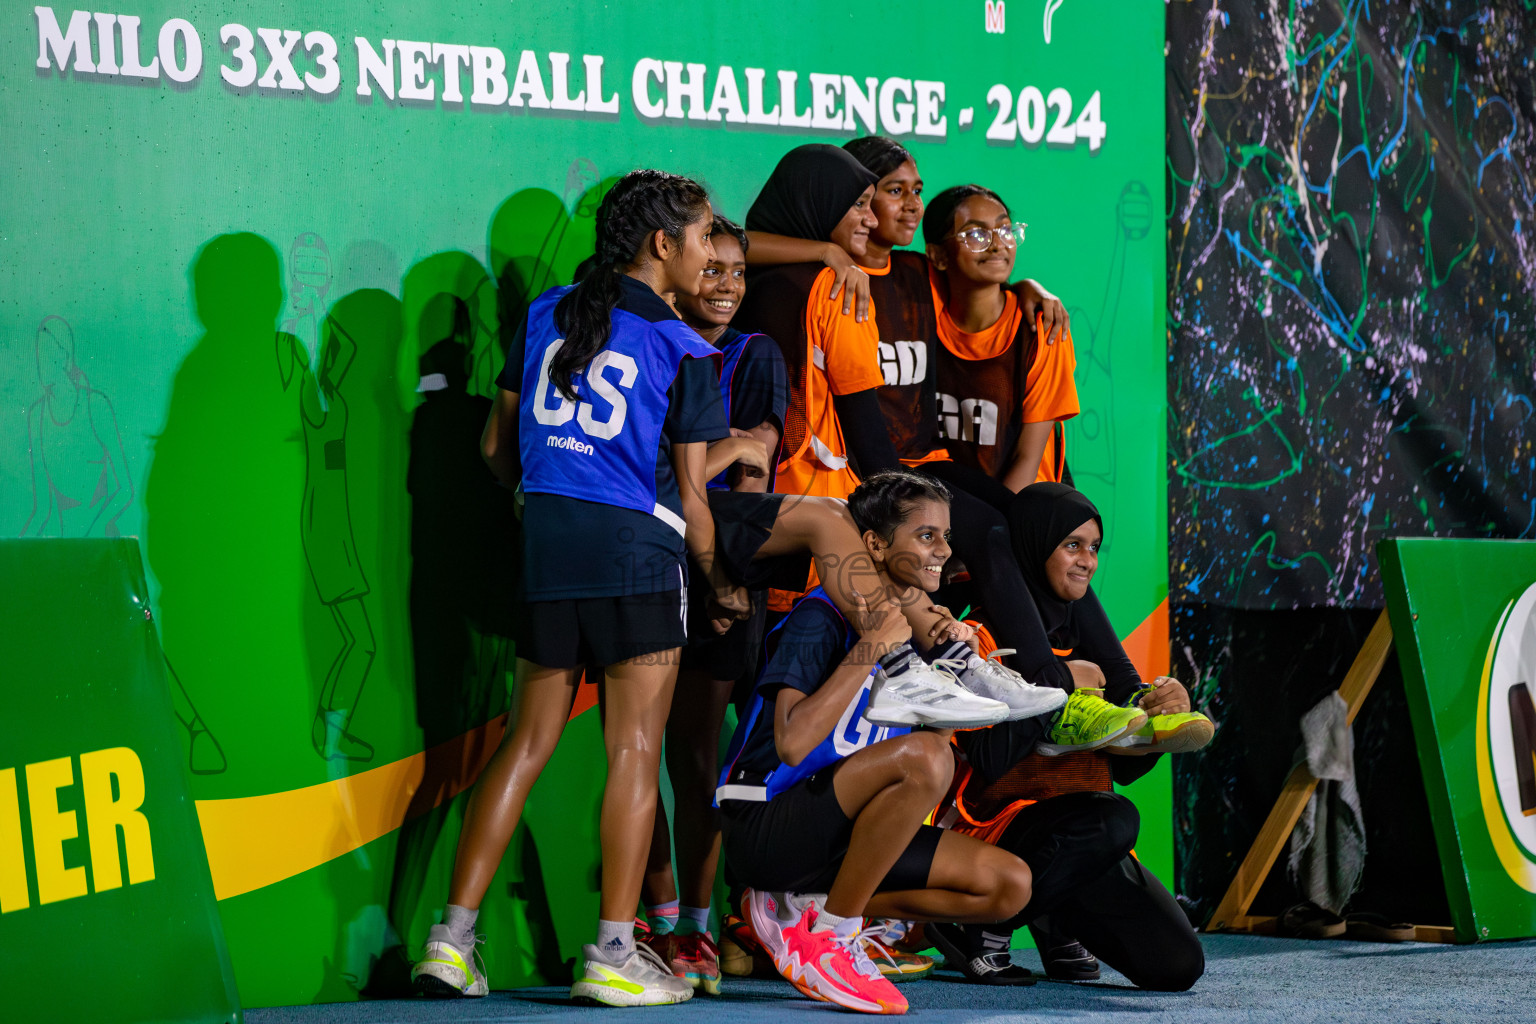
[1247, 978]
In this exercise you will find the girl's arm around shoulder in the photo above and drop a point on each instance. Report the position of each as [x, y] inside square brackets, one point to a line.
[765, 249]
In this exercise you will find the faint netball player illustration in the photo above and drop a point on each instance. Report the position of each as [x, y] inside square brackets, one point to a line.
[80, 479]
[309, 280]
[330, 548]
[81, 484]
[1093, 435]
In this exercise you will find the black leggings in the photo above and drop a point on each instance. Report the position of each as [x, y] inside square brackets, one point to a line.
[1088, 886]
[980, 538]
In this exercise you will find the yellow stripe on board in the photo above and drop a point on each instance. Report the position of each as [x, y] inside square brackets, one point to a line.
[1520, 870]
[254, 841]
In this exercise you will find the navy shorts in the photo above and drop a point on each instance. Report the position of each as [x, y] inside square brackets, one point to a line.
[602, 630]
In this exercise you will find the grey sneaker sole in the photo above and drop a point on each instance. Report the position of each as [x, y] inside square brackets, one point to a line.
[1189, 736]
[1057, 749]
[909, 717]
[605, 995]
[1019, 714]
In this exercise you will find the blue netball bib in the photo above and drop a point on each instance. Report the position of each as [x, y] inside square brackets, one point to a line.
[601, 447]
[852, 733]
[731, 352]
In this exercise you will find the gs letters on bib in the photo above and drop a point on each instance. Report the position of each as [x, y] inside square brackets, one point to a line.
[602, 446]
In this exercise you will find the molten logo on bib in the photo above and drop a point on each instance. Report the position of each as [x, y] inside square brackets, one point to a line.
[1506, 740]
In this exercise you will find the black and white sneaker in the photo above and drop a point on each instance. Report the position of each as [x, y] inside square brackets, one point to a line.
[979, 965]
[1069, 961]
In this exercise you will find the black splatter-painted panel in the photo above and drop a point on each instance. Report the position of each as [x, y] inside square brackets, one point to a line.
[1352, 309]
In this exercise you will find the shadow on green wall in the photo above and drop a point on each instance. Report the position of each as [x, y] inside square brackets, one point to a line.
[227, 468]
[327, 539]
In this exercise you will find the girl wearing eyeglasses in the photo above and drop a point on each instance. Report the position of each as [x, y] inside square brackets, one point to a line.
[1003, 392]
[867, 387]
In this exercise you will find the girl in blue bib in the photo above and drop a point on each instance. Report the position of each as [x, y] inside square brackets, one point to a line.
[606, 408]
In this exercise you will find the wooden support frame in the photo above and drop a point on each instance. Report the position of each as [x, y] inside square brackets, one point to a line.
[1232, 913]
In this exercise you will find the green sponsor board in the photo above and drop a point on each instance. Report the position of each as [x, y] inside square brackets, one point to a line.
[241, 234]
[106, 906]
[1464, 622]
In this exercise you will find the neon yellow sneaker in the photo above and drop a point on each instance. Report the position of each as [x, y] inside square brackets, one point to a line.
[444, 970]
[1166, 734]
[641, 980]
[1088, 722]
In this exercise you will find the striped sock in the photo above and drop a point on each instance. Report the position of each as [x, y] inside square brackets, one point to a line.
[662, 916]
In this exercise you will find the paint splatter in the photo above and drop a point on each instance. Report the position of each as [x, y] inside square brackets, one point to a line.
[1352, 310]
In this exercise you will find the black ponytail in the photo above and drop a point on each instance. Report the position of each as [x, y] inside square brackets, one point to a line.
[640, 203]
[939, 217]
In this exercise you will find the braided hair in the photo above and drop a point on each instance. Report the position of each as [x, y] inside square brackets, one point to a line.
[939, 218]
[639, 204]
[880, 154]
[723, 226]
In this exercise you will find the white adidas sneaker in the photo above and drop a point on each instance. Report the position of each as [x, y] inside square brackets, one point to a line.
[908, 691]
[989, 677]
[642, 980]
[444, 970]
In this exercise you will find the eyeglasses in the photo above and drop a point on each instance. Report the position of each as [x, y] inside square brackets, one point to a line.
[979, 239]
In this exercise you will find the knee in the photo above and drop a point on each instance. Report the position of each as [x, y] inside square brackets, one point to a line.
[925, 760]
[631, 750]
[1012, 887]
[1122, 822]
[692, 766]
[1180, 966]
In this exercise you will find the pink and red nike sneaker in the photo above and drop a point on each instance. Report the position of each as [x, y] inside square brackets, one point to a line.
[822, 965]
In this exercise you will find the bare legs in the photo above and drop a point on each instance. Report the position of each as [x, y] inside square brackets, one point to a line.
[692, 752]
[693, 747]
[540, 707]
[639, 691]
[887, 789]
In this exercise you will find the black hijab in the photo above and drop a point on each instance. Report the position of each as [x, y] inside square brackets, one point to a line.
[809, 192]
[1040, 518]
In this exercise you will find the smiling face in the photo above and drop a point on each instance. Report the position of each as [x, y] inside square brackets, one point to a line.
[852, 232]
[898, 206]
[721, 288]
[684, 259]
[994, 264]
[1070, 568]
[918, 548]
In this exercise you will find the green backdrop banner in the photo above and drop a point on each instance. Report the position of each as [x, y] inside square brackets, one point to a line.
[100, 861]
[1464, 621]
[238, 234]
